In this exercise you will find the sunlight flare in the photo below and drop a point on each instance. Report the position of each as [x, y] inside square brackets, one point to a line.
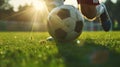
[38, 5]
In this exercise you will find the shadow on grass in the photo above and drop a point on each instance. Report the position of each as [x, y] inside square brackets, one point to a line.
[88, 54]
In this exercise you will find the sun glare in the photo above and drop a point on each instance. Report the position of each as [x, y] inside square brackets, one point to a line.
[38, 5]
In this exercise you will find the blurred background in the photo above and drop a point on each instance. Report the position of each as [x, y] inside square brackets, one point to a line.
[31, 15]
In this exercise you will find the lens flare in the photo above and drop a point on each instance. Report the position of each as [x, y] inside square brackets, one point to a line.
[38, 5]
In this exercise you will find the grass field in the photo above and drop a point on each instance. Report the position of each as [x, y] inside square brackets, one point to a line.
[25, 49]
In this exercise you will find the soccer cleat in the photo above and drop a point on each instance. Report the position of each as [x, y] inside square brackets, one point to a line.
[50, 39]
[105, 20]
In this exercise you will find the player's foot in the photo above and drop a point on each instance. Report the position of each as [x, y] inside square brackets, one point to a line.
[105, 20]
[50, 39]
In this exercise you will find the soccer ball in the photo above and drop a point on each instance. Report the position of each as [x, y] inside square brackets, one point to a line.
[65, 23]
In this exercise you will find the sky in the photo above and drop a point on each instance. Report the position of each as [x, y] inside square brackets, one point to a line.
[38, 3]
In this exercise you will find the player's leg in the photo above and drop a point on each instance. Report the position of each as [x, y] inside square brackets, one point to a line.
[104, 17]
[89, 11]
[88, 8]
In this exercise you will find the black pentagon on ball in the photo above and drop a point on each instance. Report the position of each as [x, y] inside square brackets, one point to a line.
[79, 26]
[60, 34]
[63, 13]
